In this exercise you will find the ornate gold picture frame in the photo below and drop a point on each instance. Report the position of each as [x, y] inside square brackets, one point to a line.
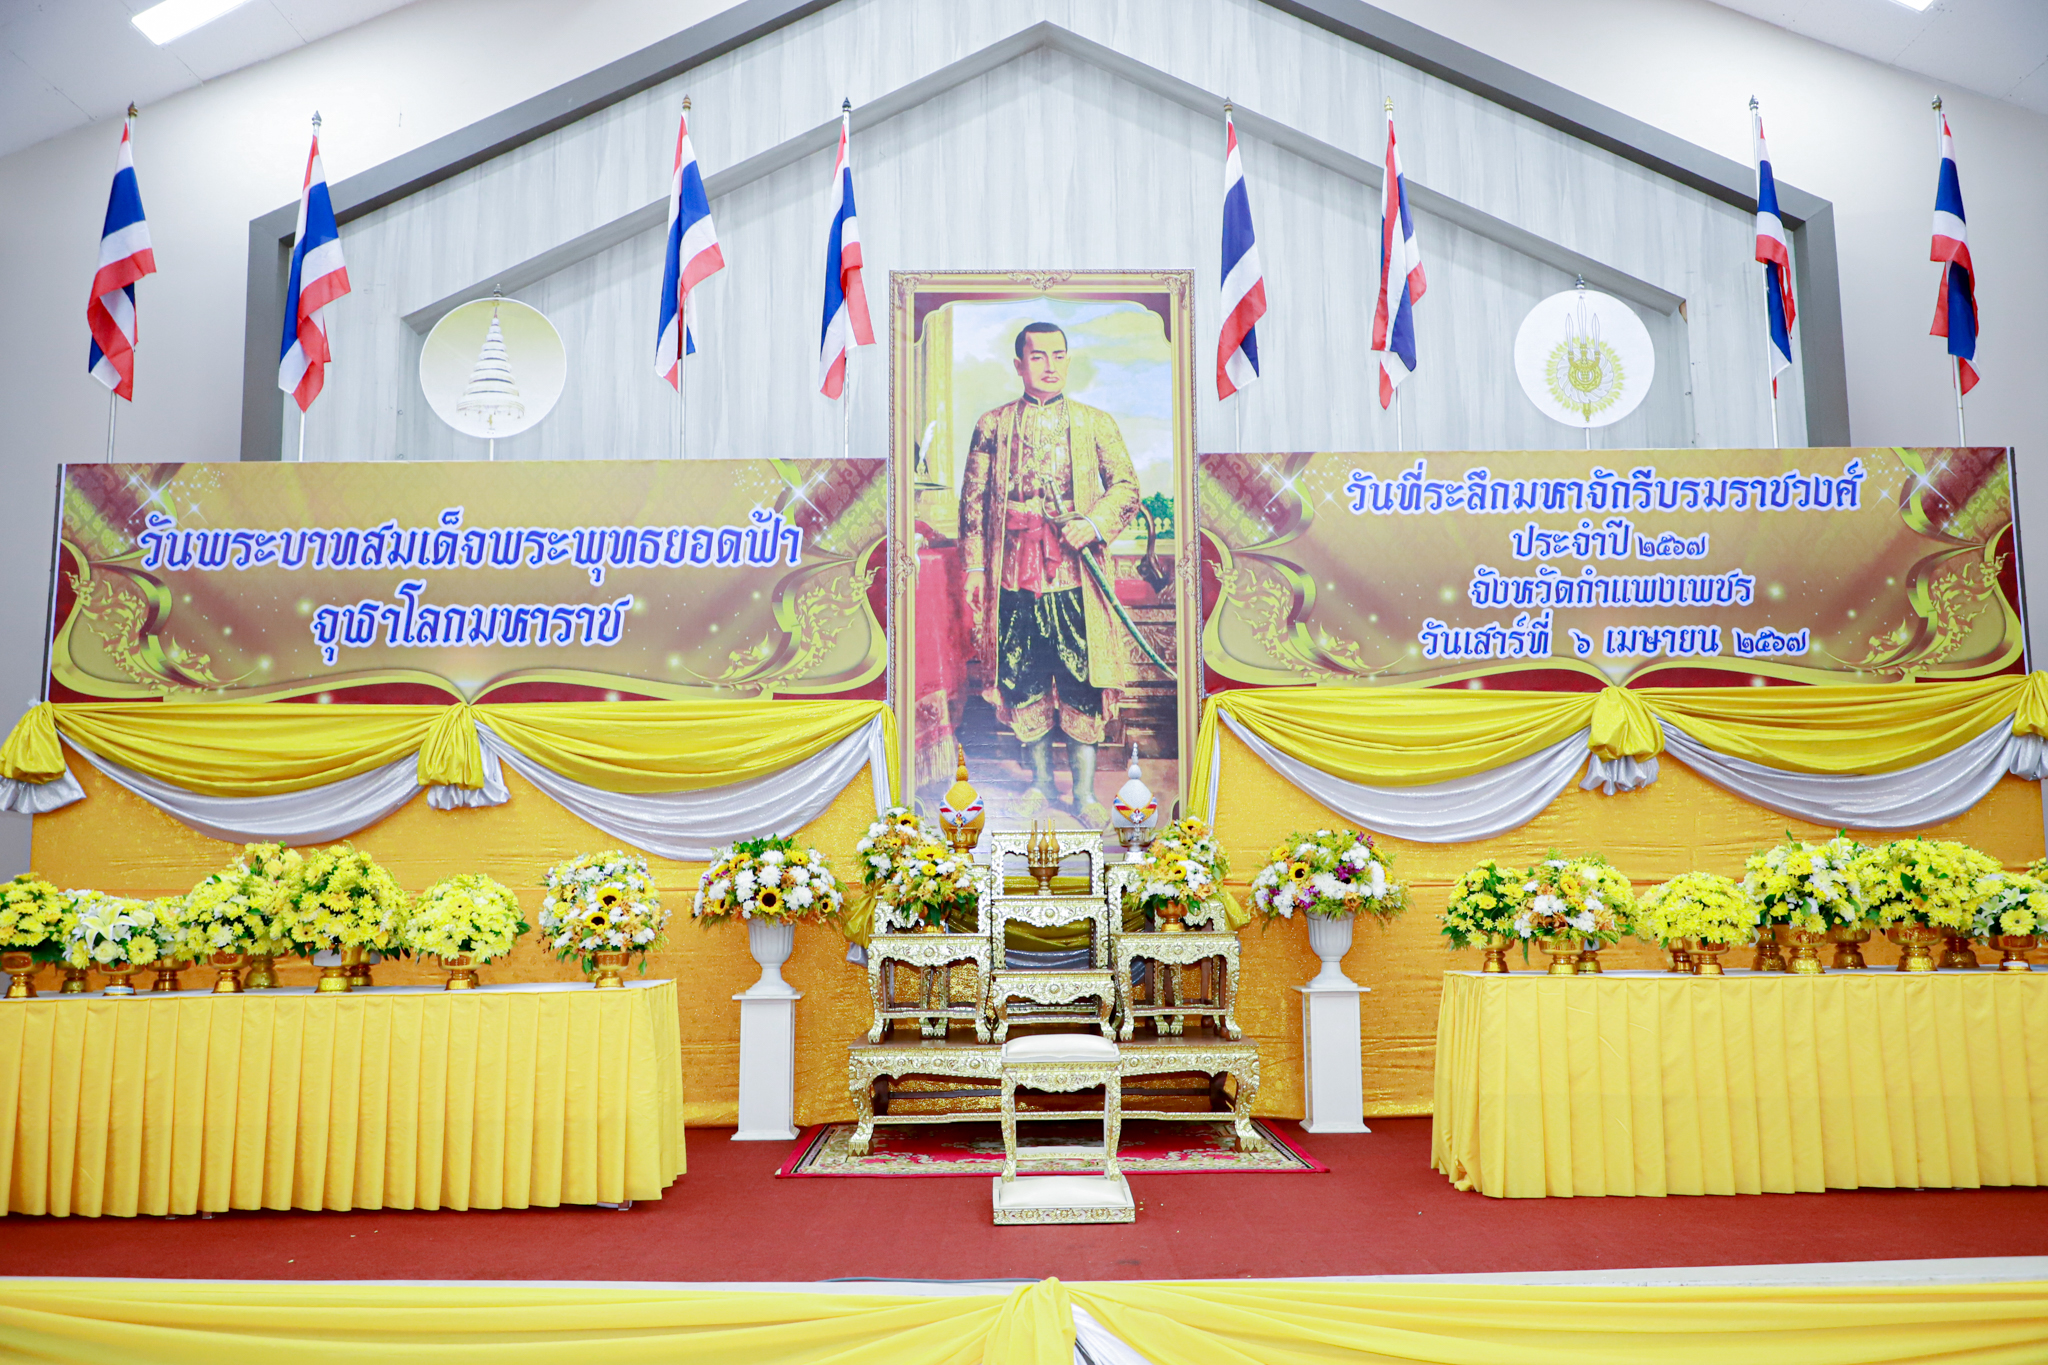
[1045, 580]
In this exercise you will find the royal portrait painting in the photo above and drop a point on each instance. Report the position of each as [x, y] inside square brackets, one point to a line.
[1043, 431]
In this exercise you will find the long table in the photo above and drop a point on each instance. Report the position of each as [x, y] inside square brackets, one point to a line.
[510, 1096]
[1652, 1083]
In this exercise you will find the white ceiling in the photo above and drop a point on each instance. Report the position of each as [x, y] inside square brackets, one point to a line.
[1993, 47]
[67, 63]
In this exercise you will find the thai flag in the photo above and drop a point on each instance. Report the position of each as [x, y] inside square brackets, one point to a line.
[1244, 284]
[1955, 306]
[318, 278]
[1777, 261]
[125, 257]
[689, 257]
[1401, 279]
[846, 303]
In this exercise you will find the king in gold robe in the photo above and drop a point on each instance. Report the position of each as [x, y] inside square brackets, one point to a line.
[1047, 479]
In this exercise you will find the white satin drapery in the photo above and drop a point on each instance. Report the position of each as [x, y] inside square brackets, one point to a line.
[686, 825]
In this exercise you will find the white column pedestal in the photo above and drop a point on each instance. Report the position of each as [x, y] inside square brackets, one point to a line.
[767, 1065]
[1331, 1062]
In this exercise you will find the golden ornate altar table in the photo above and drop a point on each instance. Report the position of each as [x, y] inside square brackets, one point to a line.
[1653, 1083]
[396, 1097]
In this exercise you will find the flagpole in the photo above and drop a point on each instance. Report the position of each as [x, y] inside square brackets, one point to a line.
[1955, 366]
[302, 436]
[846, 384]
[1770, 377]
[113, 401]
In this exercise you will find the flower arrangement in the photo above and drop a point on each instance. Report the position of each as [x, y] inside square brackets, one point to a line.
[601, 903]
[1330, 873]
[1931, 882]
[340, 898]
[1698, 906]
[465, 916]
[906, 863]
[234, 910]
[767, 879]
[1575, 898]
[2010, 904]
[108, 931]
[1813, 887]
[35, 917]
[1183, 865]
[1484, 901]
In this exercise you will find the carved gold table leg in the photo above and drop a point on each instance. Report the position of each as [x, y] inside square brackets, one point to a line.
[864, 1118]
[1003, 1020]
[981, 1001]
[1102, 1003]
[1009, 1128]
[1112, 1119]
[1229, 991]
[878, 993]
[1126, 997]
[1241, 1112]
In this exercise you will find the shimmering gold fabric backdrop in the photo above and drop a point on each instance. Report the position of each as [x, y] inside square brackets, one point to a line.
[116, 841]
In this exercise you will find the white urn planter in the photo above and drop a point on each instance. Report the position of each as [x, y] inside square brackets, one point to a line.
[771, 941]
[1330, 938]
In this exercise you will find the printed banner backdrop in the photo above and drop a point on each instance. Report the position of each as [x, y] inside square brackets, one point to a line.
[522, 581]
[1576, 569]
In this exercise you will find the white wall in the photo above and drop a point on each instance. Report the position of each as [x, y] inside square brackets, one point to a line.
[210, 160]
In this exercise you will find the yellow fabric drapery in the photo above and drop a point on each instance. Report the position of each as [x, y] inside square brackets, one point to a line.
[1745, 1084]
[669, 746]
[231, 749]
[487, 1099]
[1411, 737]
[1253, 1323]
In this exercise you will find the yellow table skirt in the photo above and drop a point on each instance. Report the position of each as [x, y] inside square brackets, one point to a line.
[1652, 1083]
[505, 1097]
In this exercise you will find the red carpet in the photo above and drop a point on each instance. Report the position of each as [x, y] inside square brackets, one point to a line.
[1380, 1211]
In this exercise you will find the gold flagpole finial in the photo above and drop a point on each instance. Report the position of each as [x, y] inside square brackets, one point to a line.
[846, 107]
[1937, 104]
[1390, 104]
[686, 104]
[133, 112]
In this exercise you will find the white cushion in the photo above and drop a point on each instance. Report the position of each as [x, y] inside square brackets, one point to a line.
[1061, 1047]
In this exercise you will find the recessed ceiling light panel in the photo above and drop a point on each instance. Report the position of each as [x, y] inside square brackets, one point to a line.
[1914, 4]
[173, 19]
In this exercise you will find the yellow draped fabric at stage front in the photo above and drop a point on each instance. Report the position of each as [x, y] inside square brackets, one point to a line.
[499, 1098]
[1409, 737]
[234, 749]
[1744, 1084]
[1251, 1323]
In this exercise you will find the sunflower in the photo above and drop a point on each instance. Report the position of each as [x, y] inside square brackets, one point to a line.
[769, 901]
[596, 919]
[1298, 872]
[608, 898]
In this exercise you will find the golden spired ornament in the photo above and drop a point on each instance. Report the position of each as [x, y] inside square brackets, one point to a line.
[1042, 856]
[961, 814]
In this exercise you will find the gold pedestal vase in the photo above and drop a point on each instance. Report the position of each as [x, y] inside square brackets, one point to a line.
[75, 982]
[1564, 956]
[167, 978]
[1916, 945]
[1770, 956]
[608, 973]
[1849, 948]
[1496, 960]
[1172, 917]
[461, 970]
[338, 977]
[2014, 947]
[21, 974]
[1589, 958]
[359, 971]
[227, 972]
[1956, 954]
[120, 978]
[1707, 959]
[1681, 956]
[262, 973]
[1805, 951]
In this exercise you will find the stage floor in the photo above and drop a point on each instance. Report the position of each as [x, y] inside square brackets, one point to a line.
[1380, 1211]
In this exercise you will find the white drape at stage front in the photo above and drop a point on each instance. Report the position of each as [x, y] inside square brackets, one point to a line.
[1497, 800]
[1454, 812]
[686, 825]
[690, 825]
[1912, 798]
